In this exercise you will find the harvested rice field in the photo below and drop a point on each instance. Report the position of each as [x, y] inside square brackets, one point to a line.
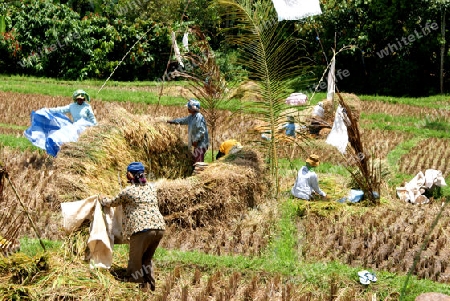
[227, 236]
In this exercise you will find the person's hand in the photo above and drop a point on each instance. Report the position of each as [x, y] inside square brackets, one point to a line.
[101, 199]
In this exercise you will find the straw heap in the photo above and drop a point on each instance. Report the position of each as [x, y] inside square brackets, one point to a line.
[96, 162]
[226, 188]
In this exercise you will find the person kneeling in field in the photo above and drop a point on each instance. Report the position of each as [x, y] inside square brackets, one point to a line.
[306, 184]
[143, 224]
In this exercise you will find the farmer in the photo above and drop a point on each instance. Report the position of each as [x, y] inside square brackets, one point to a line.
[230, 146]
[143, 224]
[306, 185]
[197, 129]
[290, 126]
[79, 108]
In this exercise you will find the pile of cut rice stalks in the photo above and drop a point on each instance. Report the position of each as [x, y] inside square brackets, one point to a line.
[96, 164]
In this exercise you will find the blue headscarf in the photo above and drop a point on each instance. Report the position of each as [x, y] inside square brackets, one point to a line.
[135, 167]
[137, 170]
[193, 104]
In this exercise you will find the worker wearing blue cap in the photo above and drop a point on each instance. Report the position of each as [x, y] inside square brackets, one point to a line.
[143, 224]
[197, 129]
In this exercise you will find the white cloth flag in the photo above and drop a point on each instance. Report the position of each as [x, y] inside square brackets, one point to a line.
[176, 49]
[338, 136]
[331, 79]
[186, 42]
[296, 9]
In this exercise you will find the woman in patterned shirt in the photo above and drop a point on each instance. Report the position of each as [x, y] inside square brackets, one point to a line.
[143, 224]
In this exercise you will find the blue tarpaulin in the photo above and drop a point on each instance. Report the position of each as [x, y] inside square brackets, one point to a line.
[50, 130]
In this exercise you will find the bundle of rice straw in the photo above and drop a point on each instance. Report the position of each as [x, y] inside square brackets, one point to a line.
[97, 162]
[220, 192]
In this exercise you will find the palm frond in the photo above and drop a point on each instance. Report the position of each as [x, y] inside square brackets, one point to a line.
[272, 56]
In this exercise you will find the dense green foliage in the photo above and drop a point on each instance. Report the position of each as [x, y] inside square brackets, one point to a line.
[44, 39]
[398, 46]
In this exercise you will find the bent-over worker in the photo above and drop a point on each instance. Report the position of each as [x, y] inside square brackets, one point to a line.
[143, 224]
[230, 146]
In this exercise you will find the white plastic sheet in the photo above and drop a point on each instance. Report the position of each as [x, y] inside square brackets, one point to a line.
[51, 130]
[296, 9]
[338, 136]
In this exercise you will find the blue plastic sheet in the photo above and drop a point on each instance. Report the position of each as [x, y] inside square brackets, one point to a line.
[51, 130]
[354, 196]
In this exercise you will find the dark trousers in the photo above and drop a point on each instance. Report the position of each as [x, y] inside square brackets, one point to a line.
[142, 248]
[199, 154]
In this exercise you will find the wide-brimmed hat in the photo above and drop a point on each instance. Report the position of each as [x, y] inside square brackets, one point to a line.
[80, 94]
[313, 160]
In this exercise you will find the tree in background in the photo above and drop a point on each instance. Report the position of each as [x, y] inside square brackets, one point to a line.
[54, 41]
[378, 65]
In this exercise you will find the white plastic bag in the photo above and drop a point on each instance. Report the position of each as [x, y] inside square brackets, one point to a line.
[338, 136]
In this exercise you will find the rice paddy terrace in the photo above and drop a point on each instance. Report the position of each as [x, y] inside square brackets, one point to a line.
[384, 238]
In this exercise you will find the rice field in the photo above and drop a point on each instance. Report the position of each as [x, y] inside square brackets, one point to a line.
[385, 239]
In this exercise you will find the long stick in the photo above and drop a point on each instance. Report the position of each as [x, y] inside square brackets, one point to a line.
[123, 58]
[26, 212]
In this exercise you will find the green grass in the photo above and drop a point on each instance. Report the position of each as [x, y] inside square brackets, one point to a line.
[436, 128]
[20, 143]
[112, 91]
[394, 157]
[437, 101]
[32, 246]
[12, 126]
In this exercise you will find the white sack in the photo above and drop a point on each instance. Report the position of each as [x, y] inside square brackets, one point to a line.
[105, 230]
[416, 187]
[434, 177]
[74, 213]
[338, 136]
[100, 243]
